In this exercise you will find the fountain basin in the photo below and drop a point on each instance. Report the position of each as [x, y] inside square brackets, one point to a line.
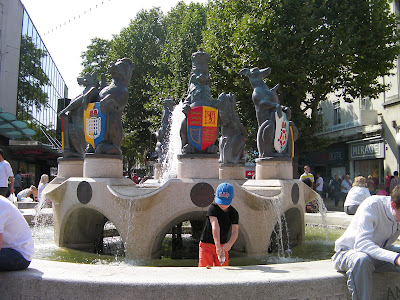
[306, 280]
[29, 215]
[332, 218]
[142, 216]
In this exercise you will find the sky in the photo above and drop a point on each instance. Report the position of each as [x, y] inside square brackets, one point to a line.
[67, 27]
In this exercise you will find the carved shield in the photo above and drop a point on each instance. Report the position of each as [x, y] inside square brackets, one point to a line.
[202, 126]
[94, 124]
[281, 132]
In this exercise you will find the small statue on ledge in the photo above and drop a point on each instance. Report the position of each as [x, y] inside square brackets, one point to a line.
[276, 133]
[111, 101]
[199, 128]
[74, 143]
[233, 133]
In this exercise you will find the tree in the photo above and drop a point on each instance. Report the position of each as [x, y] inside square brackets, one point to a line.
[226, 62]
[32, 78]
[95, 58]
[314, 48]
[184, 25]
[142, 42]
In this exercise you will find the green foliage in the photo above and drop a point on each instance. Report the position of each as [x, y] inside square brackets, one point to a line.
[226, 62]
[95, 58]
[314, 48]
[142, 42]
[160, 47]
[183, 26]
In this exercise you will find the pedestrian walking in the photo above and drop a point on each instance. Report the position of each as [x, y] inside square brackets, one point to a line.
[6, 174]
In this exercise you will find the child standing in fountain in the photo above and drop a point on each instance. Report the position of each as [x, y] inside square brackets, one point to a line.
[221, 216]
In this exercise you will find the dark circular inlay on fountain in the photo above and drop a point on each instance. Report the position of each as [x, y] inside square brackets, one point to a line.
[84, 192]
[202, 194]
[295, 193]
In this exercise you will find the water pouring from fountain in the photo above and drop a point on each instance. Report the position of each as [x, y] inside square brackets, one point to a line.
[169, 168]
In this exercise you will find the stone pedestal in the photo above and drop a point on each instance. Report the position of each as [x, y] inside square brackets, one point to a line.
[102, 166]
[274, 168]
[196, 166]
[232, 172]
[70, 167]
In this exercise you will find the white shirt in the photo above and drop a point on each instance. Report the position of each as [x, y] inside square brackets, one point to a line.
[15, 230]
[356, 195]
[5, 172]
[372, 229]
[309, 175]
[345, 186]
[23, 195]
[319, 184]
[40, 190]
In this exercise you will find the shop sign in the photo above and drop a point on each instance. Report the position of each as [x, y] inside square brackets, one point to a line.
[333, 156]
[336, 155]
[250, 173]
[338, 127]
[367, 150]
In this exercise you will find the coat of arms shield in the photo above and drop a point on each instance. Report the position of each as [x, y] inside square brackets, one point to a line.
[94, 121]
[202, 126]
[281, 132]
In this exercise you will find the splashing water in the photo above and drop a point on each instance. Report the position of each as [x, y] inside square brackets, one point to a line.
[322, 210]
[169, 167]
[130, 215]
[280, 229]
[41, 218]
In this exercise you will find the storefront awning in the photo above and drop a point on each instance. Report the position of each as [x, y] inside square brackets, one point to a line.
[32, 151]
[13, 129]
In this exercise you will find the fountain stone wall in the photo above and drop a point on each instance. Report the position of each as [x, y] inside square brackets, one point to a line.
[143, 214]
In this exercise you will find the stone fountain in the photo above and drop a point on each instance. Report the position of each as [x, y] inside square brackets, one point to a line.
[143, 215]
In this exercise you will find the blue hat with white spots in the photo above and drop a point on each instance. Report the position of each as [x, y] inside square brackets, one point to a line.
[224, 194]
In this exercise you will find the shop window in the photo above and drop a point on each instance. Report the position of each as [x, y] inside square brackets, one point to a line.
[366, 103]
[373, 167]
[336, 113]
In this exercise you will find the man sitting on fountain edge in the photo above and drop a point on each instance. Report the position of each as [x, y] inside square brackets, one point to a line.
[366, 246]
[214, 243]
[16, 244]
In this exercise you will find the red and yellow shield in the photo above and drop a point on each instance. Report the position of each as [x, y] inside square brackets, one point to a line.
[202, 126]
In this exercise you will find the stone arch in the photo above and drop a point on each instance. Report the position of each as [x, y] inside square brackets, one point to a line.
[239, 248]
[292, 230]
[83, 230]
[194, 215]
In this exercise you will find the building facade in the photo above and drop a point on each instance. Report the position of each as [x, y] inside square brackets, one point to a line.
[366, 133]
[30, 88]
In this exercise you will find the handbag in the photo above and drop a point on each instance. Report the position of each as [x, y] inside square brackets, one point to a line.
[13, 199]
